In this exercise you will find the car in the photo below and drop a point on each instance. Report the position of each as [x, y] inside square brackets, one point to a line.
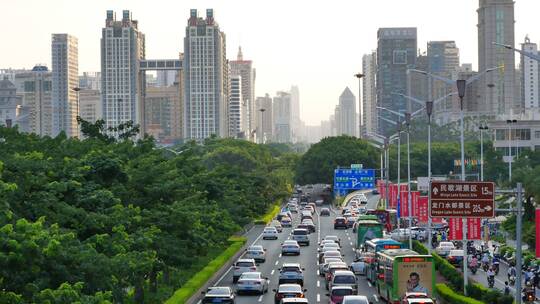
[319, 202]
[355, 299]
[325, 212]
[256, 252]
[241, 266]
[313, 206]
[455, 257]
[358, 266]
[294, 300]
[286, 221]
[283, 214]
[340, 222]
[337, 293]
[323, 242]
[290, 247]
[350, 221]
[291, 273]
[345, 210]
[344, 278]
[333, 238]
[416, 298]
[329, 246]
[304, 226]
[293, 207]
[288, 291]
[301, 236]
[277, 224]
[400, 234]
[419, 233]
[330, 254]
[310, 225]
[323, 267]
[218, 294]
[252, 282]
[306, 215]
[444, 248]
[375, 191]
[332, 268]
[323, 251]
[270, 233]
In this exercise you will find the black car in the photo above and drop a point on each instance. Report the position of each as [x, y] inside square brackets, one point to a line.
[340, 222]
[218, 295]
[325, 212]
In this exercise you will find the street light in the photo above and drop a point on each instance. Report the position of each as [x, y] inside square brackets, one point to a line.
[77, 90]
[482, 129]
[510, 122]
[360, 108]
[262, 124]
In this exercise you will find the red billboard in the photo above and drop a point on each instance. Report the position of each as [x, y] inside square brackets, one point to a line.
[404, 203]
[474, 229]
[423, 211]
[537, 233]
[455, 229]
[392, 202]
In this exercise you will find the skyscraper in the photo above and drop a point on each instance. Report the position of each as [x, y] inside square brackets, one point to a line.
[496, 24]
[282, 117]
[236, 109]
[369, 94]
[443, 57]
[296, 123]
[265, 118]
[396, 52]
[122, 46]
[244, 68]
[206, 78]
[529, 75]
[65, 77]
[347, 113]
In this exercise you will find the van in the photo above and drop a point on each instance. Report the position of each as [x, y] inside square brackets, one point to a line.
[301, 236]
[344, 278]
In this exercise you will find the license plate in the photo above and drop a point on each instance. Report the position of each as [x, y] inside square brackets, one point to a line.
[217, 300]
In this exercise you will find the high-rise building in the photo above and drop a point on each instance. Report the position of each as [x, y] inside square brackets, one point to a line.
[347, 113]
[282, 117]
[396, 52]
[162, 107]
[295, 113]
[236, 110]
[265, 118]
[122, 47]
[90, 81]
[443, 57]
[166, 78]
[369, 94]
[10, 104]
[244, 68]
[35, 87]
[496, 24]
[206, 78]
[529, 75]
[90, 105]
[65, 77]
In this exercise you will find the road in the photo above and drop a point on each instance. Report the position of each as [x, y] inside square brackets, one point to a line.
[316, 292]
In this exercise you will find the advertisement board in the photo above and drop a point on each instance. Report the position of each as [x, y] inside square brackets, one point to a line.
[537, 233]
[423, 211]
[474, 229]
[415, 275]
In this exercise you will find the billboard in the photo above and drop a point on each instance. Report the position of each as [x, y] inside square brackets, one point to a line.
[415, 274]
[354, 179]
[474, 229]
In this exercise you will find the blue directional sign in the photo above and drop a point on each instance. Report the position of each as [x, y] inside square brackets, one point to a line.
[354, 179]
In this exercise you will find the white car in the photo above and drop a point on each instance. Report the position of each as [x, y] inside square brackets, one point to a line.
[256, 252]
[333, 238]
[444, 248]
[252, 282]
[355, 300]
[290, 247]
[419, 233]
[270, 233]
[358, 266]
[400, 234]
[323, 267]
[241, 266]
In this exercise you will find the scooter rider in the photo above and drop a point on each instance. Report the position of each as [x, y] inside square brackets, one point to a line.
[511, 272]
[491, 277]
[473, 264]
[485, 259]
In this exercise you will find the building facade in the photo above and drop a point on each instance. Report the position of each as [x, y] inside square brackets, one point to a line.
[265, 119]
[244, 68]
[347, 113]
[35, 87]
[90, 81]
[529, 76]
[10, 104]
[496, 24]
[162, 113]
[396, 52]
[122, 47]
[65, 77]
[90, 107]
[282, 117]
[295, 113]
[237, 111]
[369, 94]
[206, 78]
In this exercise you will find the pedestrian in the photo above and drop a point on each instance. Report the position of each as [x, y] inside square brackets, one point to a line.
[434, 240]
[506, 288]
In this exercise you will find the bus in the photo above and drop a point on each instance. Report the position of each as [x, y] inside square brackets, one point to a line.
[388, 217]
[401, 271]
[369, 254]
[367, 229]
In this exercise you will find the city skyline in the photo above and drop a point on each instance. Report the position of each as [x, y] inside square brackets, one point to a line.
[273, 46]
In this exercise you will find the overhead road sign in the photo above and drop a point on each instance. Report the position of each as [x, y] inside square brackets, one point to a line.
[462, 199]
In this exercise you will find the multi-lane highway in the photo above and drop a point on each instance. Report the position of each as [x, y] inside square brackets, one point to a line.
[315, 284]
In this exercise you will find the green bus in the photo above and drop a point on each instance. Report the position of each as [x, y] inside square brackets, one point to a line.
[367, 227]
[402, 270]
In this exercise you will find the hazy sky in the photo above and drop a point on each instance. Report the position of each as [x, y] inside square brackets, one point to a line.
[317, 45]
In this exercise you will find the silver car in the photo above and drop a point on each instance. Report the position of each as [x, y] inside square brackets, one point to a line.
[256, 252]
[252, 282]
[290, 247]
[355, 300]
[241, 266]
[344, 278]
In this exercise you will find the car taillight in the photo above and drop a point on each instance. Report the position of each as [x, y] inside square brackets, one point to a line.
[381, 276]
[236, 267]
[253, 268]
[301, 295]
[257, 283]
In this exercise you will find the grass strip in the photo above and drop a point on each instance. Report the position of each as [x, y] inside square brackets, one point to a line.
[200, 278]
[453, 297]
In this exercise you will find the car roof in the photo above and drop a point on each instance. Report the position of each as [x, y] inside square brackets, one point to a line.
[356, 297]
[269, 228]
[246, 260]
[289, 287]
[218, 290]
[342, 287]
[252, 247]
[291, 265]
[294, 300]
[337, 264]
[344, 272]
[297, 229]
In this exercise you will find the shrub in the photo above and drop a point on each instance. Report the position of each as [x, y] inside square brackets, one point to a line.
[452, 297]
[268, 217]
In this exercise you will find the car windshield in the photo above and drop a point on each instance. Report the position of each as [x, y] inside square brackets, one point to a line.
[300, 232]
[332, 254]
[344, 279]
[244, 264]
[289, 289]
[290, 269]
[250, 275]
[342, 292]
[256, 248]
[269, 229]
[290, 243]
[218, 291]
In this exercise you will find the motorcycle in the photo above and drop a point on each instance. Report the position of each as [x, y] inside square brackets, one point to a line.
[474, 269]
[496, 268]
[529, 296]
[491, 282]
[512, 280]
[485, 266]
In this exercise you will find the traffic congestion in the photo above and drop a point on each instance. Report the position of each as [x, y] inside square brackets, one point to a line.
[314, 253]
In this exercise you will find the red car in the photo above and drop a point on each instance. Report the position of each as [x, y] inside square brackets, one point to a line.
[338, 293]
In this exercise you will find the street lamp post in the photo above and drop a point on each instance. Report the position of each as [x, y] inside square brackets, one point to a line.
[77, 90]
[360, 108]
[510, 122]
[429, 111]
[409, 203]
[262, 124]
[482, 128]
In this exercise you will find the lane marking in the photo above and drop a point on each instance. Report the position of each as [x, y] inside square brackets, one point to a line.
[369, 284]
[318, 283]
[318, 297]
[272, 273]
[260, 298]
[350, 243]
[280, 255]
[376, 298]
[318, 273]
[277, 262]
